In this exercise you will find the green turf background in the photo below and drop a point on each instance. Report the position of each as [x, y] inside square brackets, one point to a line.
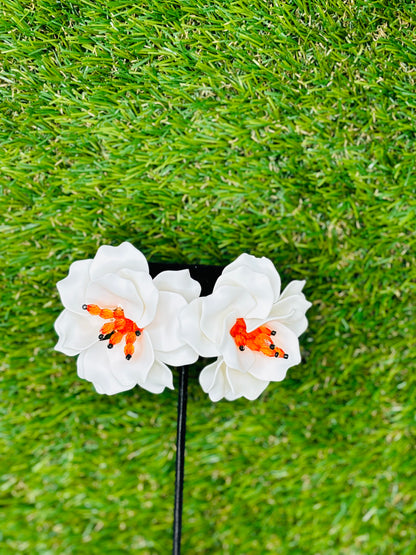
[200, 130]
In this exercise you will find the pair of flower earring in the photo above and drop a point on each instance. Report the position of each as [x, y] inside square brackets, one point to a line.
[127, 327]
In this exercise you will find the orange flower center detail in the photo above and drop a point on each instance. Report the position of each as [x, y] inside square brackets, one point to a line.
[115, 330]
[259, 339]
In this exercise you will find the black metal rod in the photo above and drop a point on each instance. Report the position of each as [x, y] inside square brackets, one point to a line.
[180, 459]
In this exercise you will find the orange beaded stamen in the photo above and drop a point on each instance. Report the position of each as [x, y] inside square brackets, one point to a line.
[115, 330]
[259, 339]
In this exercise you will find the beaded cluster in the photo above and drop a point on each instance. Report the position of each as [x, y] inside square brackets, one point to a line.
[117, 328]
[259, 340]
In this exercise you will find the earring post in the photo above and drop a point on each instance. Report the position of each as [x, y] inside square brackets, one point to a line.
[180, 459]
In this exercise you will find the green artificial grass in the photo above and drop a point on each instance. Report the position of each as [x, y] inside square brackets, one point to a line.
[200, 130]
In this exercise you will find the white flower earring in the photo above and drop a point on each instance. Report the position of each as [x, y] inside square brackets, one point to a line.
[122, 323]
[249, 325]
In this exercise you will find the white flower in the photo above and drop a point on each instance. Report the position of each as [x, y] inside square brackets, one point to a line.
[249, 326]
[113, 296]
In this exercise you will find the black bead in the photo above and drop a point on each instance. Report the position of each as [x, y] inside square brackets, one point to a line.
[128, 357]
[276, 354]
[285, 356]
[272, 347]
[84, 307]
[138, 332]
[273, 332]
[101, 337]
[241, 347]
[110, 346]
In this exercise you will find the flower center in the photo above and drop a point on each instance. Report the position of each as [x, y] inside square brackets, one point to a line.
[259, 339]
[117, 328]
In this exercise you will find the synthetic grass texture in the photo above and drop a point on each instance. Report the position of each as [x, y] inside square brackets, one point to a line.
[199, 131]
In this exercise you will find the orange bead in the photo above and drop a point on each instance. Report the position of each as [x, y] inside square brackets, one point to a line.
[131, 337]
[119, 324]
[107, 328]
[118, 312]
[116, 338]
[93, 309]
[106, 313]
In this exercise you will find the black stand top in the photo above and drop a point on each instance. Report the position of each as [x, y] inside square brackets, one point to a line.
[205, 274]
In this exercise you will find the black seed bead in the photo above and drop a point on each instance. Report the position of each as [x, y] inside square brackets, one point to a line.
[110, 346]
[101, 337]
[128, 357]
[84, 307]
[276, 354]
[272, 346]
[285, 356]
[138, 332]
[241, 347]
[273, 332]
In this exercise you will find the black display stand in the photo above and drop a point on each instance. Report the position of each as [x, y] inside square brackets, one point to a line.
[207, 276]
[180, 459]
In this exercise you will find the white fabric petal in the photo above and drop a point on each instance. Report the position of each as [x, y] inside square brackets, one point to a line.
[76, 332]
[109, 260]
[191, 332]
[243, 360]
[179, 357]
[137, 368]
[72, 288]
[94, 365]
[220, 381]
[164, 329]
[158, 377]
[261, 265]
[217, 309]
[213, 380]
[244, 385]
[111, 291]
[146, 290]
[179, 281]
[109, 370]
[290, 311]
[293, 288]
[274, 369]
[258, 285]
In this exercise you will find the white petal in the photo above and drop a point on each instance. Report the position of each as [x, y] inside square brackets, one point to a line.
[213, 380]
[217, 309]
[76, 332]
[179, 282]
[164, 329]
[158, 377]
[290, 311]
[94, 365]
[72, 288]
[261, 265]
[191, 332]
[293, 288]
[109, 260]
[147, 291]
[220, 382]
[242, 360]
[179, 357]
[109, 370]
[244, 385]
[137, 368]
[274, 369]
[258, 285]
[112, 291]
